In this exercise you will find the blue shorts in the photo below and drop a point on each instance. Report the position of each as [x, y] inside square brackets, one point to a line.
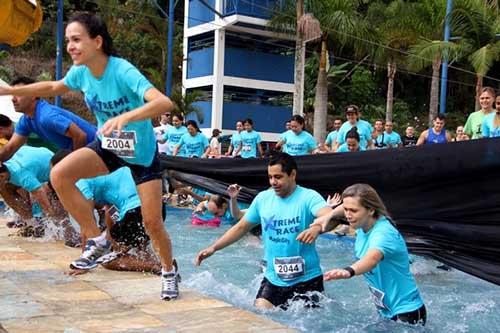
[141, 174]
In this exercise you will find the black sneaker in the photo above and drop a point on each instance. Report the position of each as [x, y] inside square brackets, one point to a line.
[170, 284]
[90, 255]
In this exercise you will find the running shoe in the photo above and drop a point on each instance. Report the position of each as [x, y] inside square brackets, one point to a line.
[170, 284]
[91, 253]
[16, 224]
[107, 257]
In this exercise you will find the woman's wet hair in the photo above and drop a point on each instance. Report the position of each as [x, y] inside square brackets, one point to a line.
[489, 90]
[286, 161]
[95, 26]
[219, 201]
[352, 134]
[298, 118]
[194, 124]
[248, 121]
[368, 198]
[178, 116]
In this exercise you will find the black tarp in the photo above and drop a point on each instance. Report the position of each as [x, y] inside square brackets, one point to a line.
[444, 198]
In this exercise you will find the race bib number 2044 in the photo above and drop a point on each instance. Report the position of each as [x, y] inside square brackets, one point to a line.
[122, 145]
[289, 268]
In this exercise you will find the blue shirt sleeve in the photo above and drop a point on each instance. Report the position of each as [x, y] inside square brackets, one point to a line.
[398, 139]
[385, 241]
[135, 81]
[72, 80]
[56, 122]
[311, 143]
[316, 202]
[29, 182]
[182, 140]
[258, 138]
[22, 127]
[252, 215]
[204, 141]
[85, 188]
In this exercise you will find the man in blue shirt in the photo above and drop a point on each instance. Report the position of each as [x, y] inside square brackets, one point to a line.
[285, 212]
[51, 123]
[28, 169]
[388, 138]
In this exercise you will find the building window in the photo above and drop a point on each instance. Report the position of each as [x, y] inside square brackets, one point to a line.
[262, 44]
[257, 96]
[200, 42]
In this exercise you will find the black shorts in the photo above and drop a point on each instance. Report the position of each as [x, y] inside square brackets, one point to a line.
[130, 230]
[140, 173]
[415, 317]
[280, 296]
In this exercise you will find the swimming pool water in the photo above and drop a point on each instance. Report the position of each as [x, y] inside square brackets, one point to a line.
[455, 301]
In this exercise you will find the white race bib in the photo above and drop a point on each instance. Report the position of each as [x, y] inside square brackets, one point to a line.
[247, 148]
[378, 298]
[114, 213]
[289, 268]
[122, 145]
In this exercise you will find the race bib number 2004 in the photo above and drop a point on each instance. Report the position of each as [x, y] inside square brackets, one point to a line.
[122, 145]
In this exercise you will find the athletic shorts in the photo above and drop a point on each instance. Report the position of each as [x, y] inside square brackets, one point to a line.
[140, 173]
[415, 317]
[130, 230]
[280, 296]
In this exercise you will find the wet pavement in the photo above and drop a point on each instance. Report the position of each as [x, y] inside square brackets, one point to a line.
[36, 296]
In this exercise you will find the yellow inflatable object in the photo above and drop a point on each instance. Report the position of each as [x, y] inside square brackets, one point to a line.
[18, 20]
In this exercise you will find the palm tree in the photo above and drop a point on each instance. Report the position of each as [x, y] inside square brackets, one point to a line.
[396, 32]
[477, 22]
[341, 25]
[430, 49]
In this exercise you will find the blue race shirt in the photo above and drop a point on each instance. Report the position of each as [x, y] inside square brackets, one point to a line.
[249, 141]
[391, 282]
[330, 138]
[300, 144]
[194, 145]
[366, 124]
[120, 89]
[51, 123]
[488, 127]
[236, 142]
[29, 167]
[283, 138]
[386, 140]
[173, 137]
[117, 188]
[282, 220]
[364, 133]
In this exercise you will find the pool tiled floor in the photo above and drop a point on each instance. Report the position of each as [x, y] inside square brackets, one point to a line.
[36, 296]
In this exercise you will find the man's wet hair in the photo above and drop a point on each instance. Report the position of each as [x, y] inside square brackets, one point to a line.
[5, 121]
[286, 161]
[22, 80]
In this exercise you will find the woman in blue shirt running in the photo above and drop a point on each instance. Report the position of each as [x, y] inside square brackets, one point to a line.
[123, 102]
[383, 256]
[193, 142]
